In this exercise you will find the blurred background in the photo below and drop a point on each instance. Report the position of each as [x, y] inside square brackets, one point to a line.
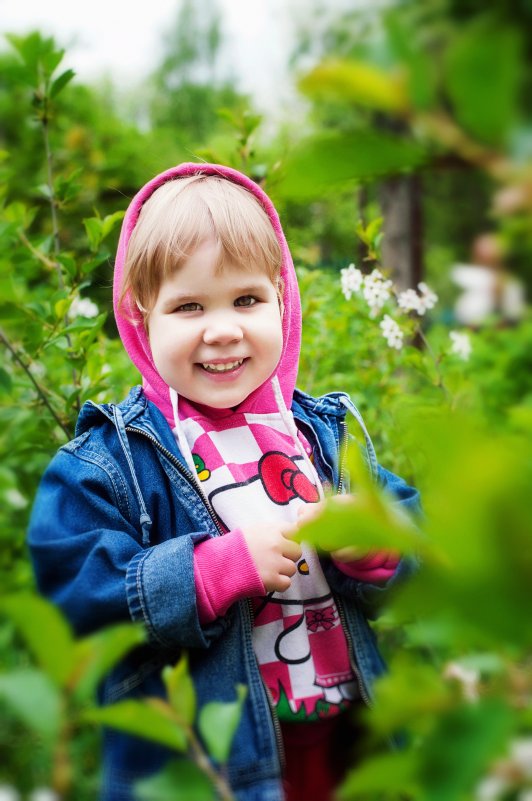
[395, 139]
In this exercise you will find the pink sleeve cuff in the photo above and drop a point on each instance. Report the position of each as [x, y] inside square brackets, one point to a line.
[224, 572]
[376, 566]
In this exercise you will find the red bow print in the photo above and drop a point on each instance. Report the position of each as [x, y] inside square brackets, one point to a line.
[283, 480]
[320, 618]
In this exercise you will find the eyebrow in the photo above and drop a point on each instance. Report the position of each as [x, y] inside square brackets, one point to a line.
[180, 298]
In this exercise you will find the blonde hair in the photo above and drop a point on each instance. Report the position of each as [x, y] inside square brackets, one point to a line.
[182, 214]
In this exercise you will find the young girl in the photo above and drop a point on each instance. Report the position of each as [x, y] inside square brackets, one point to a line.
[176, 507]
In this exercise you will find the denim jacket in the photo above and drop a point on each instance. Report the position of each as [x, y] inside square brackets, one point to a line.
[112, 539]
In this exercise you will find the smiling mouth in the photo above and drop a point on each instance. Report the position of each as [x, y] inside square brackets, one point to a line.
[222, 368]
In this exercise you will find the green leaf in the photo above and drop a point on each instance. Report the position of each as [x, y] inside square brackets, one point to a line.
[181, 692]
[6, 383]
[465, 742]
[150, 720]
[59, 84]
[45, 631]
[329, 161]
[218, 723]
[418, 61]
[110, 221]
[94, 656]
[179, 781]
[484, 87]
[97, 229]
[357, 82]
[370, 519]
[32, 697]
[391, 773]
[93, 227]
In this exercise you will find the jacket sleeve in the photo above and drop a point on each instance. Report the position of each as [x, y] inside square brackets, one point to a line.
[371, 595]
[89, 559]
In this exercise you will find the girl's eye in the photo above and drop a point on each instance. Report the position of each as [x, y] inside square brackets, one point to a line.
[246, 300]
[189, 307]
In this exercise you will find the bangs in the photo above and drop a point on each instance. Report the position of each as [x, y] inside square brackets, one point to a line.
[181, 215]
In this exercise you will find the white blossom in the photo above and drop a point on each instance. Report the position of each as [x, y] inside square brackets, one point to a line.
[491, 788]
[420, 301]
[376, 290]
[468, 679]
[391, 332]
[351, 281]
[8, 793]
[43, 794]
[428, 298]
[461, 345]
[82, 307]
[521, 755]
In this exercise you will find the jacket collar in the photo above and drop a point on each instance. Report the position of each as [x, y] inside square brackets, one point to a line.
[136, 411]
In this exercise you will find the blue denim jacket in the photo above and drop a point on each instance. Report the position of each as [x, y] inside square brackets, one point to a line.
[112, 537]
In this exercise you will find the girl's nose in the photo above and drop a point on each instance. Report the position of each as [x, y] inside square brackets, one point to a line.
[222, 332]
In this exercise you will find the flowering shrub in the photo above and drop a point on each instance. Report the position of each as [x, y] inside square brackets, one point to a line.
[379, 293]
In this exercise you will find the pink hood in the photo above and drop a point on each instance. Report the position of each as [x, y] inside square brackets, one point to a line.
[134, 337]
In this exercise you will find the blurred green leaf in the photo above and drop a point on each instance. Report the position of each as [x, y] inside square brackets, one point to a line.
[59, 84]
[460, 750]
[33, 698]
[417, 60]
[179, 781]
[94, 656]
[484, 71]
[328, 161]
[357, 82]
[5, 381]
[181, 692]
[218, 723]
[393, 773]
[149, 719]
[45, 631]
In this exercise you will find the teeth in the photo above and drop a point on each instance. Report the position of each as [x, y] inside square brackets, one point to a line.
[222, 368]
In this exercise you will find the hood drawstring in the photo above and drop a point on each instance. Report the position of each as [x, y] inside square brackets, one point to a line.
[288, 419]
[178, 431]
[346, 401]
[145, 519]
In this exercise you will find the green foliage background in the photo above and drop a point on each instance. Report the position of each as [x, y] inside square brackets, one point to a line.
[411, 96]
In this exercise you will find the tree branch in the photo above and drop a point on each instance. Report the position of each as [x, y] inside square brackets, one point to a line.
[40, 391]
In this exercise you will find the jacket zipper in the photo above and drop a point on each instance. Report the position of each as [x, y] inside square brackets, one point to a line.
[354, 667]
[343, 456]
[339, 604]
[169, 455]
[273, 711]
[188, 475]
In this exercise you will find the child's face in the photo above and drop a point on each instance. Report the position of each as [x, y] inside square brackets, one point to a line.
[215, 337]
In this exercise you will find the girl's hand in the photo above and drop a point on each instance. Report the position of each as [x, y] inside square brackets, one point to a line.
[274, 553]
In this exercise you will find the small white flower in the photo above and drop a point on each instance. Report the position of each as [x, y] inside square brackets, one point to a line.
[391, 332]
[43, 794]
[521, 755]
[351, 281]
[491, 788]
[377, 290]
[461, 345]
[8, 793]
[16, 500]
[82, 307]
[421, 302]
[468, 678]
[408, 300]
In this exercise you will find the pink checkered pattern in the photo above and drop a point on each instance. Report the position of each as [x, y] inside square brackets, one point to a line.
[251, 470]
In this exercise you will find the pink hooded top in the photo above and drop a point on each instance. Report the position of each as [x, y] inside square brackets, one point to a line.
[252, 463]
